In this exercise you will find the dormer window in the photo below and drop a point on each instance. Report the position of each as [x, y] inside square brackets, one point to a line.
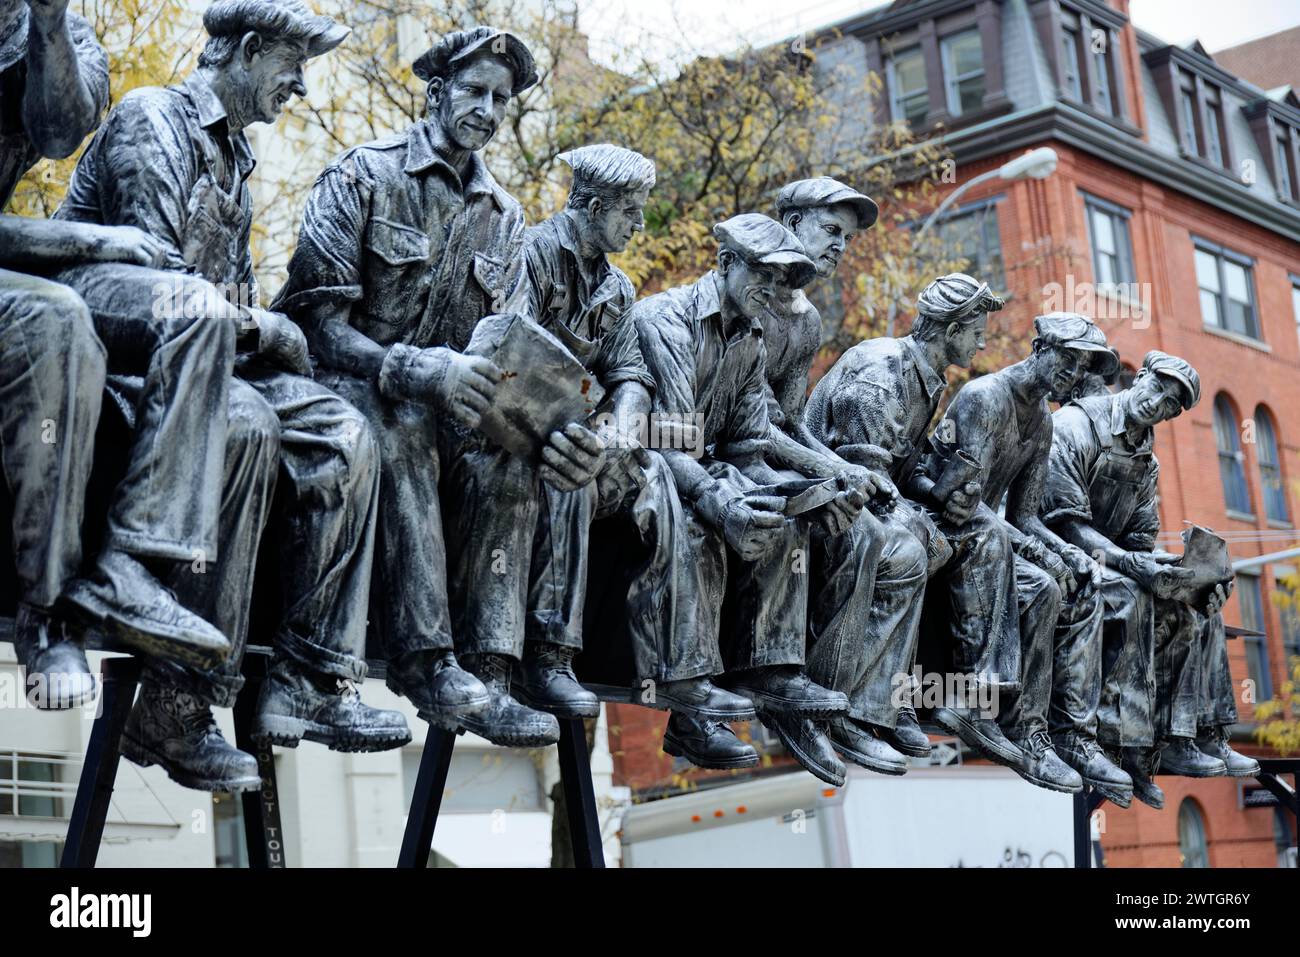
[963, 71]
[1070, 63]
[1193, 89]
[1276, 125]
[909, 94]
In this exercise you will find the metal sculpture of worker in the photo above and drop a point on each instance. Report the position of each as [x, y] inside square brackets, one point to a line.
[1001, 426]
[868, 575]
[703, 344]
[874, 408]
[576, 293]
[54, 86]
[406, 243]
[1101, 495]
[175, 163]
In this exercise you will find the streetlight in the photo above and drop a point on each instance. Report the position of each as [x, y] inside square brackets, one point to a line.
[1032, 164]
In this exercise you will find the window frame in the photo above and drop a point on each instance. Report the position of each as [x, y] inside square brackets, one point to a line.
[1223, 404]
[896, 108]
[951, 80]
[1251, 588]
[1270, 472]
[1119, 215]
[982, 207]
[1224, 255]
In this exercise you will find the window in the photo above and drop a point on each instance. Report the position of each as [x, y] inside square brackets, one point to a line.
[1282, 160]
[1231, 473]
[1250, 600]
[1213, 136]
[1187, 103]
[1101, 98]
[31, 784]
[1227, 290]
[1070, 62]
[908, 92]
[963, 71]
[1112, 251]
[1270, 467]
[1289, 612]
[1191, 835]
[973, 235]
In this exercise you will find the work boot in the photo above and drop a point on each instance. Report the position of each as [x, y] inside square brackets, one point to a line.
[175, 730]
[1085, 755]
[1214, 742]
[1141, 765]
[1181, 756]
[808, 744]
[786, 689]
[980, 733]
[58, 675]
[549, 684]
[906, 736]
[296, 704]
[124, 600]
[701, 699]
[707, 744]
[436, 684]
[505, 721]
[863, 745]
[1044, 768]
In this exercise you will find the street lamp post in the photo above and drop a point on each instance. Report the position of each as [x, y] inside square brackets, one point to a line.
[1033, 164]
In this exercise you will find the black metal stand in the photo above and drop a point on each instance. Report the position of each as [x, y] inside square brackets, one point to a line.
[575, 778]
[120, 678]
[1288, 796]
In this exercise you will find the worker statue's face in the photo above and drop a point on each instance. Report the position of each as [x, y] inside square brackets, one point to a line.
[1152, 399]
[472, 104]
[825, 232]
[965, 340]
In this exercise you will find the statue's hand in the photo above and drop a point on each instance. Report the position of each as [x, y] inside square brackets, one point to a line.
[962, 503]
[127, 244]
[872, 484]
[841, 511]
[625, 463]
[461, 384]
[752, 525]
[281, 341]
[1086, 572]
[1218, 598]
[571, 458]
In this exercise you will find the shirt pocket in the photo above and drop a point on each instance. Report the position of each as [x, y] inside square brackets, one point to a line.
[396, 254]
[397, 244]
[489, 273]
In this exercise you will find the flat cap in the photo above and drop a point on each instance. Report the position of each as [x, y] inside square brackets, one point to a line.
[1180, 370]
[824, 191]
[1073, 330]
[761, 239]
[277, 19]
[440, 59]
[611, 166]
[957, 297]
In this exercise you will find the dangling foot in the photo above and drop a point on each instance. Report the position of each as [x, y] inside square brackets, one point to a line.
[1042, 766]
[707, 744]
[1085, 755]
[786, 689]
[550, 685]
[980, 733]
[58, 675]
[1141, 765]
[864, 746]
[906, 736]
[434, 682]
[809, 745]
[1181, 756]
[296, 704]
[175, 730]
[505, 721]
[1214, 742]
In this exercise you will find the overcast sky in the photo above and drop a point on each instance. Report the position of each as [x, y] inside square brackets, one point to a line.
[712, 26]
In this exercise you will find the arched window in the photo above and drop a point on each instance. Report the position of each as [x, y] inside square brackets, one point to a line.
[1231, 472]
[1191, 835]
[1270, 467]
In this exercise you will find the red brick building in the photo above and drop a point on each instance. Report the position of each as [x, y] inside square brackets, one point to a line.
[1173, 216]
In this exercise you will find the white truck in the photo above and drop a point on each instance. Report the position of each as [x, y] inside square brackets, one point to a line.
[958, 816]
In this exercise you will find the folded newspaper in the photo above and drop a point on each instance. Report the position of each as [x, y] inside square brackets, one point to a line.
[543, 387]
[1207, 555]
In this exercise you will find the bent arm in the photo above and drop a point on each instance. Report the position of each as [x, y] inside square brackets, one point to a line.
[59, 106]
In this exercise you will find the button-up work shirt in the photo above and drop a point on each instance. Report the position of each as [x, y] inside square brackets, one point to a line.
[701, 367]
[166, 162]
[420, 255]
[17, 152]
[792, 334]
[881, 392]
[586, 303]
[1095, 474]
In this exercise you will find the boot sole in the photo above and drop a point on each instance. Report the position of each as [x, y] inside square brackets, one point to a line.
[911, 752]
[183, 647]
[863, 761]
[559, 710]
[66, 704]
[1045, 784]
[473, 706]
[673, 746]
[1158, 805]
[512, 739]
[954, 725]
[765, 701]
[1193, 773]
[288, 732]
[1244, 774]
[142, 755]
[1117, 796]
[806, 761]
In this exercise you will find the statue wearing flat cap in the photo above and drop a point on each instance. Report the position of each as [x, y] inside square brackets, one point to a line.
[868, 570]
[704, 346]
[406, 244]
[175, 163]
[1101, 495]
[992, 445]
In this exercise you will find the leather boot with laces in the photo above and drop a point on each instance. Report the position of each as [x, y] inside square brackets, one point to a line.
[1181, 756]
[1085, 755]
[549, 684]
[707, 743]
[808, 744]
[906, 736]
[1042, 766]
[981, 734]
[296, 704]
[1141, 764]
[1214, 742]
[864, 746]
[505, 721]
[786, 689]
[435, 683]
[176, 731]
[58, 675]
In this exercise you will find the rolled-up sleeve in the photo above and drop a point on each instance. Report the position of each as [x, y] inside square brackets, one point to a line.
[669, 352]
[618, 358]
[1069, 463]
[326, 265]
